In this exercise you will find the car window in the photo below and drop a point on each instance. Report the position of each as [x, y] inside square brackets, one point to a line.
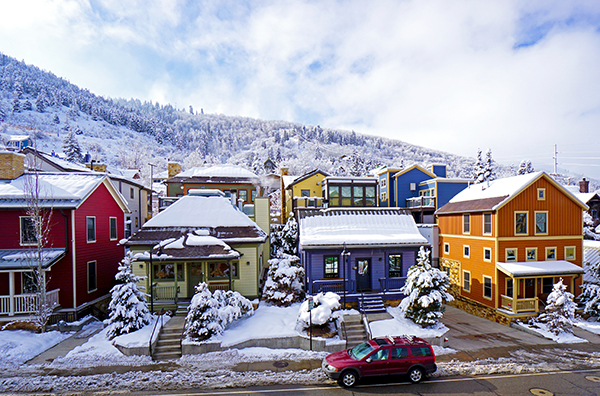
[360, 351]
[399, 353]
[381, 354]
[420, 351]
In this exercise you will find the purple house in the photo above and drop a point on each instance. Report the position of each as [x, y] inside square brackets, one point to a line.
[358, 252]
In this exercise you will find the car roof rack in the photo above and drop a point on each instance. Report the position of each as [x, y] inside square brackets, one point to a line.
[390, 339]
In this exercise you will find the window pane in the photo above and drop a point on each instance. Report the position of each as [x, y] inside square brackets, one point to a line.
[570, 253]
[511, 255]
[305, 193]
[420, 351]
[243, 195]
[370, 192]
[509, 287]
[540, 223]
[521, 223]
[219, 270]
[399, 353]
[487, 223]
[531, 254]
[395, 265]
[331, 267]
[371, 202]
[346, 192]
[113, 228]
[547, 285]
[91, 275]
[551, 254]
[466, 223]
[334, 191]
[358, 191]
[487, 287]
[91, 229]
[28, 234]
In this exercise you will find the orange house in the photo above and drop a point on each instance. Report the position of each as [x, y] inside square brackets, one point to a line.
[506, 242]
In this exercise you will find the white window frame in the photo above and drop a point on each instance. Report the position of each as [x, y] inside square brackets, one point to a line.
[574, 253]
[21, 242]
[466, 226]
[535, 226]
[484, 224]
[541, 194]
[87, 235]
[506, 255]
[526, 213]
[549, 249]
[488, 260]
[95, 275]
[491, 287]
[110, 228]
[466, 251]
[466, 281]
[527, 250]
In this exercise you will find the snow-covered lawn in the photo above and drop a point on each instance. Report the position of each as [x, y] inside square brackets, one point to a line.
[399, 325]
[592, 327]
[18, 346]
[561, 338]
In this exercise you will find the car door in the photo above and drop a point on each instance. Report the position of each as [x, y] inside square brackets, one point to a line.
[376, 363]
[400, 362]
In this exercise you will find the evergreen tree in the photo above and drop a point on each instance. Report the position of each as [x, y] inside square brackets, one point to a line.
[284, 241]
[590, 296]
[40, 102]
[478, 170]
[285, 281]
[559, 313]
[27, 105]
[202, 320]
[426, 289]
[128, 310]
[71, 148]
[2, 112]
[489, 169]
[56, 120]
[16, 108]
[525, 167]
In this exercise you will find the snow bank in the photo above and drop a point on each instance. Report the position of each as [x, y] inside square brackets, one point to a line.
[18, 346]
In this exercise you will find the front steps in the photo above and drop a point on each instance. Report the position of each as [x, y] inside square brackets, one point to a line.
[371, 304]
[168, 345]
[355, 330]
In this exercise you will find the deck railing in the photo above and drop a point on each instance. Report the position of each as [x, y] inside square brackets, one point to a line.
[519, 304]
[329, 285]
[165, 292]
[421, 202]
[25, 303]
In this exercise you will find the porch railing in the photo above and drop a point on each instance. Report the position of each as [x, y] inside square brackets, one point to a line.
[25, 303]
[389, 284]
[165, 292]
[219, 286]
[519, 304]
[330, 285]
[421, 202]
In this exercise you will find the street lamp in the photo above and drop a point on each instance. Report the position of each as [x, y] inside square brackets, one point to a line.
[345, 255]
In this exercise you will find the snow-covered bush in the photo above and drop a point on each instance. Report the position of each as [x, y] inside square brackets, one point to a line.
[590, 295]
[128, 310]
[323, 307]
[284, 284]
[285, 240]
[209, 314]
[426, 289]
[559, 313]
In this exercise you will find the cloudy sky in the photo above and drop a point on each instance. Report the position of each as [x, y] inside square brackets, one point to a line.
[514, 76]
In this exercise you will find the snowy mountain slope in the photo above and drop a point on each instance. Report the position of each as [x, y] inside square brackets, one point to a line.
[129, 133]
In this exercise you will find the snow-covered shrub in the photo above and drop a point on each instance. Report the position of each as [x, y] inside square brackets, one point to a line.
[426, 289]
[128, 310]
[590, 295]
[324, 305]
[559, 313]
[284, 284]
[285, 241]
[210, 313]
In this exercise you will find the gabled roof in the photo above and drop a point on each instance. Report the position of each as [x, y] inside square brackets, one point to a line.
[416, 166]
[583, 197]
[357, 228]
[305, 176]
[60, 164]
[201, 211]
[56, 190]
[190, 245]
[495, 194]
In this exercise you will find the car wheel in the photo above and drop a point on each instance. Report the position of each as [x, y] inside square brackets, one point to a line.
[348, 379]
[415, 374]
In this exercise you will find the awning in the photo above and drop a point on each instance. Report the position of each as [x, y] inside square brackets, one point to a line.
[539, 268]
[26, 259]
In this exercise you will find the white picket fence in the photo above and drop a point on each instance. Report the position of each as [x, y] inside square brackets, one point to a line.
[25, 303]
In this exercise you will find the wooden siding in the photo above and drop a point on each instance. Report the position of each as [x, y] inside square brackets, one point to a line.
[541, 243]
[452, 224]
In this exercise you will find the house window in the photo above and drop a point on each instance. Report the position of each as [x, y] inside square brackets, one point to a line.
[371, 194]
[346, 196]
[131, 193]
[550, 253]
[466, 251]
[487, 287]
[92, 280]
[446, 247]
[305, 193]
[243, 195]
[216, 271]
[466, 224]
[395, 266]
[541, 223]
[358, 199]
[467, 281]
[520, 223]
[531, 254]
[28, 282]
[487, 254]
[541, 194]
[28, 230]
[547, 285]
[509, 287]
[167, 271]
[413, 186]
[113, 228]
[569, 252]
[127, 226]
[334, 195]
[511, 254]
[383, 182]
[487, 223]
[383, 197]
[253, 195]
[91, 229]
[332, 267]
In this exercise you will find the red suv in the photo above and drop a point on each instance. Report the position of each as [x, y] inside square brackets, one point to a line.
[381, 356]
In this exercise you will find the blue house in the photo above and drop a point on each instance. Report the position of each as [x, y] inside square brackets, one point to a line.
[354, 252]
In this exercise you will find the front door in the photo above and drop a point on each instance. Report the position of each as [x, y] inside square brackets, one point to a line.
[529, 288]
[363, 274]
[196, 276]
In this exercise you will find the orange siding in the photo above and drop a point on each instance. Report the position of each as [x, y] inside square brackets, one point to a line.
[541, 245]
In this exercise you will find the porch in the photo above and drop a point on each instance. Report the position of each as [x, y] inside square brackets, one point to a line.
[389, 288]
[25, 304]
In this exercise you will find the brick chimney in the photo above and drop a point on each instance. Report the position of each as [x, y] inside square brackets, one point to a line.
[584, 186]
[174, 169]
[12, 165]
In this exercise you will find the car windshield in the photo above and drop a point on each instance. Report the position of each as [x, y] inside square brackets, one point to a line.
[360, 351]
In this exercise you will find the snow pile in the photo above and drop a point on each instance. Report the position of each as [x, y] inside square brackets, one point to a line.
[400, 325]
[559, 314]
[18, 346]
[323, 307]
[128, 308]
[141, 337]
[209, 314]
[426, 290]
[284, 284]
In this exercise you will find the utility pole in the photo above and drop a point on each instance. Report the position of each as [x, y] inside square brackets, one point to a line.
[555, 161]
[151, 188]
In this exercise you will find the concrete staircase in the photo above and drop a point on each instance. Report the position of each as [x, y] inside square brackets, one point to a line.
[168, 345]
[371, 304]
[355, 330]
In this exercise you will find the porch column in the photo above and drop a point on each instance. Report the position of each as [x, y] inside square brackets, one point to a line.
[176, 276]
[514, 299]
[11, 293]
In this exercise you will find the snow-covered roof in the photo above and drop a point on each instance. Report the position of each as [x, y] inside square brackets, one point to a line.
[54, 161]
[22, 259]
[539, 268]
[494, 194]
[359, 229]
[218, 171]
[583, 197]
[191, 245]
[287, 180]
[58, 190]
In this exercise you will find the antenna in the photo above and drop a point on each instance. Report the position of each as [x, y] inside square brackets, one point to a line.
[555, 161]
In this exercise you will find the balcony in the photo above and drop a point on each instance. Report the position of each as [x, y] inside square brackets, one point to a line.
[520, 305]
[421, 202]
[19, 304]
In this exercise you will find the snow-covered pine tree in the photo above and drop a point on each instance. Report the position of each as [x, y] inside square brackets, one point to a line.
[284, 284]
[284, 241]
[426, 289]
[128, 310]
[16, 107]
[489, 168]
[559, 313]
[525, 167]
[590, 296]
[232, 306]
[202, 320]
[478, 169]
[71, 148]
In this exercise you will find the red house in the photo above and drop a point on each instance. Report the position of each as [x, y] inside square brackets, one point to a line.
[85, 219]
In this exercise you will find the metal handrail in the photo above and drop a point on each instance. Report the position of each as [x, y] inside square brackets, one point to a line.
[364, 317]
[162, 310]
[344, 333]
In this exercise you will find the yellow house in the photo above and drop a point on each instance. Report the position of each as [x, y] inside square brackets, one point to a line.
[301, 191]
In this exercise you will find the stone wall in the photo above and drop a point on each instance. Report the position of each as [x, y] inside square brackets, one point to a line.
[477, 309]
